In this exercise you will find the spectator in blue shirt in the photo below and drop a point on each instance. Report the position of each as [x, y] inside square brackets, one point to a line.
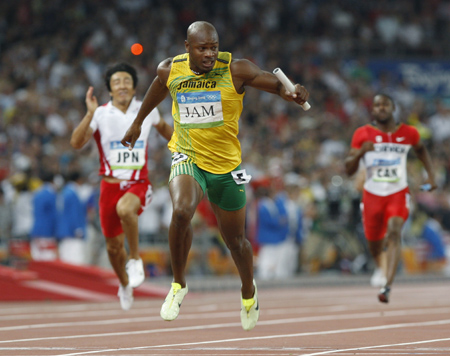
[43, 233]
[432, 233]
[72, 222]
[279, 225]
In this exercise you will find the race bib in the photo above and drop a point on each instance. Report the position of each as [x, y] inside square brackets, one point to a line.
[386, 174]
[178, 157]
[241, 177]
[120, 157]
[386, 170]
[199, 110]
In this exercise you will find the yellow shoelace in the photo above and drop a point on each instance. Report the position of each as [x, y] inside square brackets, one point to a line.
[248, 303]
[176, 287]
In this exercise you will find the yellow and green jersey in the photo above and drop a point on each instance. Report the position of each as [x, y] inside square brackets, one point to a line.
[206, 110]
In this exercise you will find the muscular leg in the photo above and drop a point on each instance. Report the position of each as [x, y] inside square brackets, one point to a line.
[377, 250]
[118, 256]
[186, 194]
[393, 244]
[387, 252]
[232, 226]
[127, 208]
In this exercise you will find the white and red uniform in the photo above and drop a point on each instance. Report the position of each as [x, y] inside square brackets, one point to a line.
[386, 191]
[109, 124]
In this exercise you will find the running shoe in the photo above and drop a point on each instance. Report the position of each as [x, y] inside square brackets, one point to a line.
[172, 303]
[378, 278]
[135, 271]
[250, 311]
[126, 297]
[383, 295]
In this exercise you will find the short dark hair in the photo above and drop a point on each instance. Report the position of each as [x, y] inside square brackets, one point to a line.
[72, 176]
[47, 176]
[120, 67]
[387, 96]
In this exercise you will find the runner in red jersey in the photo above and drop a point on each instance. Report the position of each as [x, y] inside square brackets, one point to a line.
[382, 148]
[125, 189]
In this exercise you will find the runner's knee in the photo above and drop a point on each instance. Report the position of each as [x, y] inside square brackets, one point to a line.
[182, 214]
[394, 230]
[236, 243]
[393, 236]
[127, 207]
[376, 247]
[124, 212]
[114, 247]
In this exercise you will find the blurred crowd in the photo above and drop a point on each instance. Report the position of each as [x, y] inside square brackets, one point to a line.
[52, 50]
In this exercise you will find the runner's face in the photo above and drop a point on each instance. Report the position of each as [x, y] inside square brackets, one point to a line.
[382, 109]
[122, 90]
[203, 49]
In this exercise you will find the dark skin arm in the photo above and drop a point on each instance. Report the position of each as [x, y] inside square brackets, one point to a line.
[156, 93]
[422, 153]
[246, 73]
[355, 154]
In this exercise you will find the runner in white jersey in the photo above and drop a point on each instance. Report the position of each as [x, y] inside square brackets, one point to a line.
[115, 159]
[386, 164]
[125, 189]
[383, 148]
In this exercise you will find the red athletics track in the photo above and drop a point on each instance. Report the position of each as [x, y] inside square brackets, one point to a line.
[337, 320]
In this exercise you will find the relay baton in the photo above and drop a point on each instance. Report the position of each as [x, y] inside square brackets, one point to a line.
[288, 85]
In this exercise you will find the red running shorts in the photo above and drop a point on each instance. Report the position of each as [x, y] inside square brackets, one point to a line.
[377, 210]
[110, 193]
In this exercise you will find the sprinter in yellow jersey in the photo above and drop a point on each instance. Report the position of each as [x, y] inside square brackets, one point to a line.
[207, 89]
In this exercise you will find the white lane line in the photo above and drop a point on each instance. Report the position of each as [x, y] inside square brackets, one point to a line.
[339, 331]
[368, 315]
[38, 348]
[386, 351]
[375, 347]
[61, 306]
[74, 305]
[82, 314]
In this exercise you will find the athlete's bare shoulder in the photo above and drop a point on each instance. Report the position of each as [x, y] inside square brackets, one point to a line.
[243, 68]
[243, 72]
[164, 68]
[166, 63]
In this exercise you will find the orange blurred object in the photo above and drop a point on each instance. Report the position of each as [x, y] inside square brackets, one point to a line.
[137, 49]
